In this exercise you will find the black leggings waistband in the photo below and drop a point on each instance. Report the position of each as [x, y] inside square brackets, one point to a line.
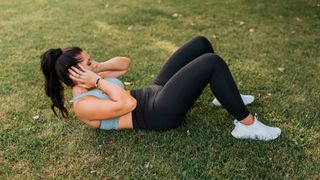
[137, 114]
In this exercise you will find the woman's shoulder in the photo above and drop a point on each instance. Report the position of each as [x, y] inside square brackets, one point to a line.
[82, 100]
[80, 106]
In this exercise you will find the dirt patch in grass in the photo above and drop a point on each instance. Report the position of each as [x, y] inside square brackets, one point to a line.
[2, 116]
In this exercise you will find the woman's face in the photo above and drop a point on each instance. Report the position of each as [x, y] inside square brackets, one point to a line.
[87, 62]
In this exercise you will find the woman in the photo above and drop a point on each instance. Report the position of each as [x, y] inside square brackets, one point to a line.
[100, 100]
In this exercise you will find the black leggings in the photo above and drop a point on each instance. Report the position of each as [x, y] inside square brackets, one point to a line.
[182, 79]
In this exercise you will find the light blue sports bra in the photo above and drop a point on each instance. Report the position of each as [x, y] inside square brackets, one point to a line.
[100, 94]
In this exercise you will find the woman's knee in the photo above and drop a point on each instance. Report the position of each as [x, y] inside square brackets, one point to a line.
[213, 60]
[203, 41]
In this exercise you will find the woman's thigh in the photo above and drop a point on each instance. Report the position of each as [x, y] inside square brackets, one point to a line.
[184, 88]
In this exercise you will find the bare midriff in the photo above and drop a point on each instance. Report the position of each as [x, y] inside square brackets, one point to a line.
[125, 121]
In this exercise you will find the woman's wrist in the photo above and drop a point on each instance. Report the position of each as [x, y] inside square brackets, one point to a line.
[98, 82]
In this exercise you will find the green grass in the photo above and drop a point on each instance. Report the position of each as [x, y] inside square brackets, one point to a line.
[287, 35]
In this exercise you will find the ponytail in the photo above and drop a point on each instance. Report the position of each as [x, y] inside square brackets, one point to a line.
[54, 65]
[53, 87]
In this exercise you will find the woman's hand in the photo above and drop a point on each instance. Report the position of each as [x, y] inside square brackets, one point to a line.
[84, 77]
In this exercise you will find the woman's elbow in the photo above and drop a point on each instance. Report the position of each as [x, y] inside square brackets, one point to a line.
[134, 103]
[131, 104]
[127, 63]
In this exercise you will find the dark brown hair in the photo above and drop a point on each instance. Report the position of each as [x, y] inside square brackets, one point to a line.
[54, 65]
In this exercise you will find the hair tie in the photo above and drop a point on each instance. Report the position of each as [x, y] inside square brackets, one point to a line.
[57, 53]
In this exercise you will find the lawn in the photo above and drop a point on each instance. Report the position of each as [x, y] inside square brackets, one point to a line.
[272, 48]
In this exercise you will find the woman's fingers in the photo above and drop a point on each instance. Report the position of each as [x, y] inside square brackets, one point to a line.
[77, 70]
[72, 72]
[75, 73]
[82, 68]
[76, 79]
[75, 76]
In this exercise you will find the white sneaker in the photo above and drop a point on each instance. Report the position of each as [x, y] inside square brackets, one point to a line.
[247, 99]
[256, 130]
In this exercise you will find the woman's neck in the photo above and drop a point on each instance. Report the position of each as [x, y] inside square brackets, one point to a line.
[76, 90]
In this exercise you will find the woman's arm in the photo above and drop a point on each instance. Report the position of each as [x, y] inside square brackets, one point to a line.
[120, 101]
[114, 67]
